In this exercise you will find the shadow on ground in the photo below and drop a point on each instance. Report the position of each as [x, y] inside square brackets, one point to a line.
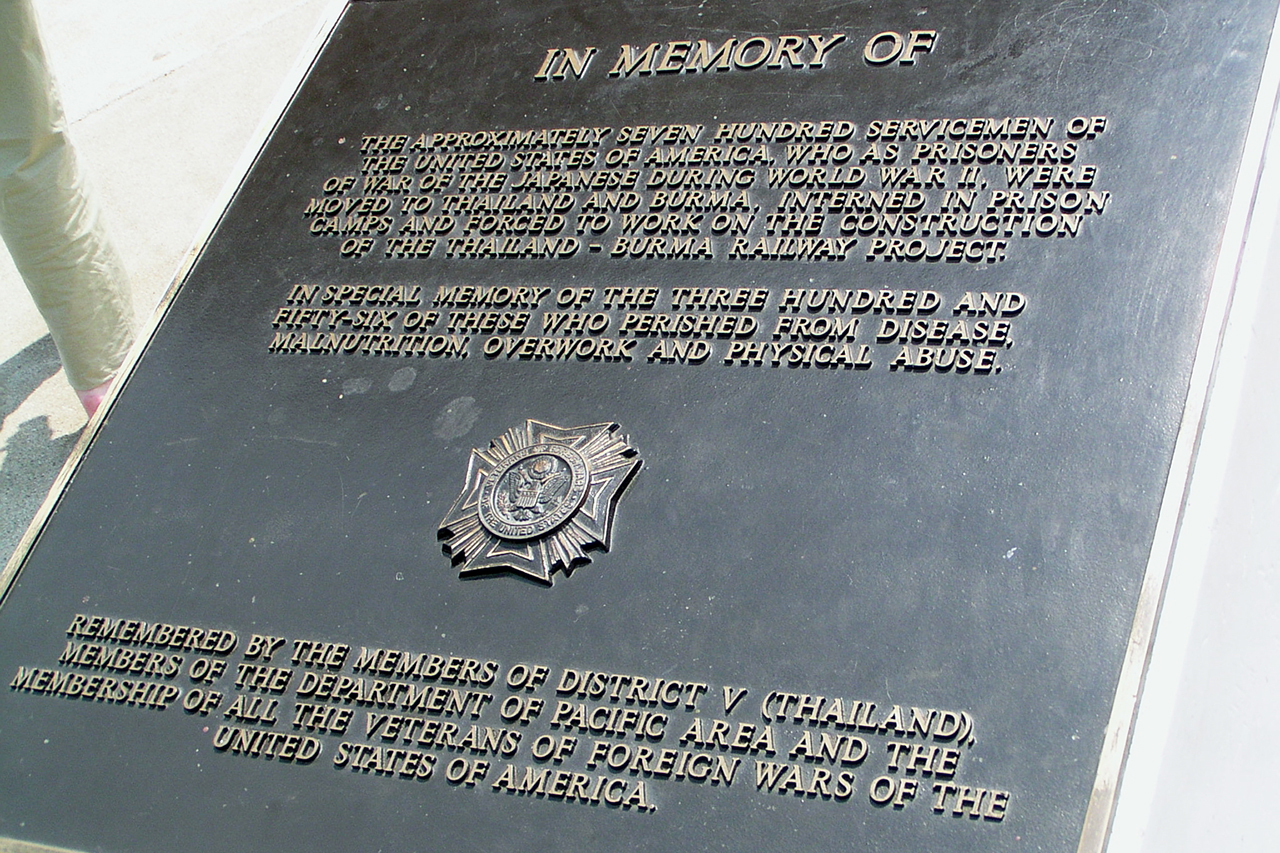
[32, 456]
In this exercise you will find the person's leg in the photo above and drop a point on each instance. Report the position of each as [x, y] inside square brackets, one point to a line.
[51, 228]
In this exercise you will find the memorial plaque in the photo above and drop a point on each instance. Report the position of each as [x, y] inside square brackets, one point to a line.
[653, 427]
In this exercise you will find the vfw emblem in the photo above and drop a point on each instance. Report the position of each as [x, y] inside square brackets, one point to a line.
[537, 499]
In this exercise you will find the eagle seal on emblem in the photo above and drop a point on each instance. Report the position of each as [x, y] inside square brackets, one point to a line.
[537, 499]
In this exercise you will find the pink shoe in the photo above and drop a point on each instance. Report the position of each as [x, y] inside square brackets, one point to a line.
[93, 398]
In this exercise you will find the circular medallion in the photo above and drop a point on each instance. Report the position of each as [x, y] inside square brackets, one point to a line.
[533, 491]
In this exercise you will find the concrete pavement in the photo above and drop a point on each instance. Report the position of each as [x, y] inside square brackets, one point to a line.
[163, 100]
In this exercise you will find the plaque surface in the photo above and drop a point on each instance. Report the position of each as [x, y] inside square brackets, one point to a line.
[650, 427]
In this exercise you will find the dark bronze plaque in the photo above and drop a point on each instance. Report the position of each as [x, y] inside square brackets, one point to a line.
[653, 427]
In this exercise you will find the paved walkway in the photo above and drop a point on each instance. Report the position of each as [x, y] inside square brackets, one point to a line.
[163, 100]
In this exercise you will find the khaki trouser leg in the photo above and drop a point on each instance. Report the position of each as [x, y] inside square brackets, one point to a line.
[53, 232]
